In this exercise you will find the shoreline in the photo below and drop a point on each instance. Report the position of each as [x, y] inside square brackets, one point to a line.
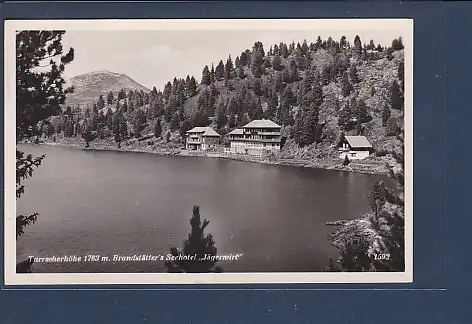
[313, 164]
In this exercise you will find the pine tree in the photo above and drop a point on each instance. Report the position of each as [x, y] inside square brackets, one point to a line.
[212, 74]
[241, 74]
[401, 76]
[257, 87]
[100, 103]
[361, 112]
[243, 60]
[256, 63]
[206, 79]
[385, 115]
[121, 94]
[271, 107]
[357, 45]
[157, 129]
[87, 135]
[36, 98]
[346, 161]
[197, 244]
[174, 122]
[277, 63]
[131, 107]
[343, 43]
[168, 88]
[220, 71]
[191, 87]
[138, 123]
[346, 86]
[115, 125]
[397, 44]
[371, 45]
[110, 98]
[377, 196]
[325, 77]
[125, 106]
[392, 128]
[353, 74]
[123, 129]
[39, 95]
[184, 128]
[220, 114]
[232, 120]
[258, 112]
[294, 74]
[396, 100]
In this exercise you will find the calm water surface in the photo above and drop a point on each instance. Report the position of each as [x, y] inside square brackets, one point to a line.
[107, 203]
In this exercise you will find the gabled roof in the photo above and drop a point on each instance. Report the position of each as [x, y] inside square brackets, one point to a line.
[237, 131]
[262, 123]
[358, 141]
[205, 131]
[210, 132]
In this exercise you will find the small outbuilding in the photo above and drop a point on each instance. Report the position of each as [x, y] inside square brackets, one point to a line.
[355, 147]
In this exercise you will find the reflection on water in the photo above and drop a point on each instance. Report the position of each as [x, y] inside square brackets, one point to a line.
[108, 203]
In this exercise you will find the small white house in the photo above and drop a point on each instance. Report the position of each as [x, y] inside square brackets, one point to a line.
[355, 147]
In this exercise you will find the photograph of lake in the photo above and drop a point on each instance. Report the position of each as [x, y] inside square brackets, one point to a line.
[175, 146]
[107, 203]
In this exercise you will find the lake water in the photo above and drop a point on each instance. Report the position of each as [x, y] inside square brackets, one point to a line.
[107, 203]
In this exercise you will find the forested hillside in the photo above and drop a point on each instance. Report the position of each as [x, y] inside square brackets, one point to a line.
[316, 90]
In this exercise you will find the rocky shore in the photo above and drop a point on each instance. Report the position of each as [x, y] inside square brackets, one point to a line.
[373, 166]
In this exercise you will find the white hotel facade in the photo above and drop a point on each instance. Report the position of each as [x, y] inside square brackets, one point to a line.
[257, 138]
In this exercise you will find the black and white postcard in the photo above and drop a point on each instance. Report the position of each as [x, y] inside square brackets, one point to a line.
[208, 151]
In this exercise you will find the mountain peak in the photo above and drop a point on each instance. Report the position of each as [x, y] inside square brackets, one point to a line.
[89, 86]
[103, 72]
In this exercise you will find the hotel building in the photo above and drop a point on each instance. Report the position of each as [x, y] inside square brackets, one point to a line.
[201, 138]
[257, 138]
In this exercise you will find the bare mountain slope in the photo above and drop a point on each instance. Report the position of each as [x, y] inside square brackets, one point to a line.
[89, 86]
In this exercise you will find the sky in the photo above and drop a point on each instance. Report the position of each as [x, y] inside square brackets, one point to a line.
[153, 57]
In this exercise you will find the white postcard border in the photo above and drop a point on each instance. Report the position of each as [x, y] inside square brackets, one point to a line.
[403, 26]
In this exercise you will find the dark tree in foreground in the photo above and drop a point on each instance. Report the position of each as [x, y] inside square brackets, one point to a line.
[39, 94]
[24, 169]
[198, 245]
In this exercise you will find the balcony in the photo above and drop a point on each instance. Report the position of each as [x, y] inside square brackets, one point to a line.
[259, 140]
[274, 133]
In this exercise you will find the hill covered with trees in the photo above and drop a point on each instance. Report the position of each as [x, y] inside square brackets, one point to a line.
[317, 90]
